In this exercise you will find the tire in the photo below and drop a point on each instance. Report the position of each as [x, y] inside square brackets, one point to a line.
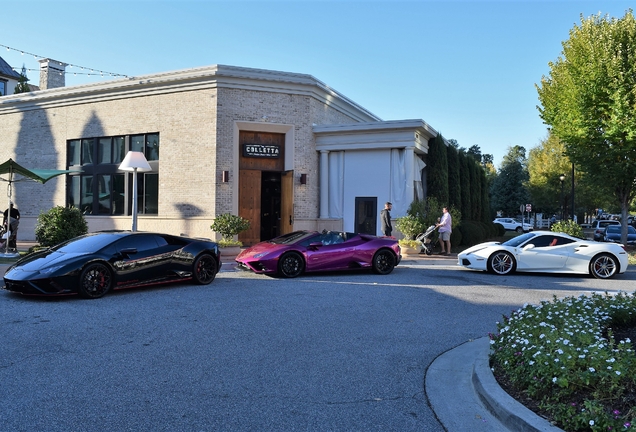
[604, 266]
[204, 269]
[501, 263]
[383, 262]
[95, 281]
[291, 265]
[519, 230]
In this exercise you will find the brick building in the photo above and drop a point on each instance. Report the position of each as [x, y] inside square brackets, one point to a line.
[281, 149]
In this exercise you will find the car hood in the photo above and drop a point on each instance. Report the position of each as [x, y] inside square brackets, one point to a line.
[44, 261]
[261, 248]
[479, 247]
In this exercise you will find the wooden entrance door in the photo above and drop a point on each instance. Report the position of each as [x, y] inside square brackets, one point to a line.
[250, 205]
[287, 202]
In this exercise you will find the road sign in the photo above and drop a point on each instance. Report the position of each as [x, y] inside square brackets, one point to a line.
[528, 208]
[521, 208]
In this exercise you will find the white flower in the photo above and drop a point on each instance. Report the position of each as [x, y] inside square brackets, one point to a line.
[618, 372]
[591, 422]
[592, 369]
[554, 380]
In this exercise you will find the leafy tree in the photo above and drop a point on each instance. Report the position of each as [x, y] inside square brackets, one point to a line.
[23, 86]
[589, 101]
[508, 189]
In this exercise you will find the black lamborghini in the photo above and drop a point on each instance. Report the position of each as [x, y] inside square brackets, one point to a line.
[93, 264]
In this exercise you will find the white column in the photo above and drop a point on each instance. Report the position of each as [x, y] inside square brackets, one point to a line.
[324, 184]
[409, 162]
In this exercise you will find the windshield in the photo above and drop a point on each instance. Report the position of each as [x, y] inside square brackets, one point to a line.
[84, 244]
[516, 241]
[292, 237]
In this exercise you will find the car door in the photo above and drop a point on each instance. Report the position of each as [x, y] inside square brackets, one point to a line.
[547, 252]
[141, 258]
[333, 252]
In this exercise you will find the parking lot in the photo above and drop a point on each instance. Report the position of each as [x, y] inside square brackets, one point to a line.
[344, 351]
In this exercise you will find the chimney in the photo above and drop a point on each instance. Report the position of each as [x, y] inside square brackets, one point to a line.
[52, 74]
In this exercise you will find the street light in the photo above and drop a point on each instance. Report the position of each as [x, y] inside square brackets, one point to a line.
[134, 161]
[562, 177]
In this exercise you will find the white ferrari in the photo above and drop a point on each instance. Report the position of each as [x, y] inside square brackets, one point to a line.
[546, 252]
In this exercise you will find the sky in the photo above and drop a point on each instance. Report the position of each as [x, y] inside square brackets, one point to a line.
[466, 68]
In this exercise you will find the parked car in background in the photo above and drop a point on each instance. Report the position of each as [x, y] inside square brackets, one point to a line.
[631, 220]
[612, 233]
[511, 224]
[599, 227]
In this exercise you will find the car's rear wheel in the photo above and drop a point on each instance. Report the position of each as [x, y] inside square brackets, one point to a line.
[604, 266]
[383, 262]
[95, 281]
[519, 230]
[501, 263]
[204, 269]
[291, 265]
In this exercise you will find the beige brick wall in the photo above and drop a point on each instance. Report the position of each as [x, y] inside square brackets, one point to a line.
[196, 144]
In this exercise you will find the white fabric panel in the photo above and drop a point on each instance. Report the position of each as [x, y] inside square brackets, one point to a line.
[419, 167]
[399, 197]
[336, 184]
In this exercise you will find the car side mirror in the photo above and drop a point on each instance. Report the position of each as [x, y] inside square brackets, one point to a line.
[128, 251]
[528, 247]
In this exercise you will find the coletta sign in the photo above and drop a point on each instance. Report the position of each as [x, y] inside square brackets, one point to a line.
[261, 150]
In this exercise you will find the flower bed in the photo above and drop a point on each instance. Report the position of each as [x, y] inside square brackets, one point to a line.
[564, 355]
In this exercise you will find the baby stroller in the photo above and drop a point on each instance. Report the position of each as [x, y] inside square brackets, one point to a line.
[427, 241]
[12, 234]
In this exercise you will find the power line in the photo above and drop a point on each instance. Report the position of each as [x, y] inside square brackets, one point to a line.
[91, 71]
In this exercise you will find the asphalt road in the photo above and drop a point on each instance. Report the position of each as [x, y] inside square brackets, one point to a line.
[330, 352]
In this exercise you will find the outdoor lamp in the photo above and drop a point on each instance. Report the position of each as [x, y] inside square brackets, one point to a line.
[134, 161]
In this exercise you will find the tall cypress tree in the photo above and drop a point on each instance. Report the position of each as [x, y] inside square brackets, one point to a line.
[437, 174]
[464, 178]
[454, 185]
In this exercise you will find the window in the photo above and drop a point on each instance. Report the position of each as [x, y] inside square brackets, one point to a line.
[3, 87]
[99, 189]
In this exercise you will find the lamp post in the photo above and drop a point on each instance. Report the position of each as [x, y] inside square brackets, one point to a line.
[134, 161]
[562, 177]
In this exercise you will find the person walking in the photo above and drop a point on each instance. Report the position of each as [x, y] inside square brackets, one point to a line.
[385, 219]
[445, 231]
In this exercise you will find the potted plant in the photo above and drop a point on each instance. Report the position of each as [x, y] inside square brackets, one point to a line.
[409, 226]
[229, 225]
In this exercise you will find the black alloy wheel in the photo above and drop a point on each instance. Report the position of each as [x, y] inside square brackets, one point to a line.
[204, 269]
[95, 281]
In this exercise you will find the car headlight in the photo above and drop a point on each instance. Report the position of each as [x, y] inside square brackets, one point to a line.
[260, 255]
[49, 270]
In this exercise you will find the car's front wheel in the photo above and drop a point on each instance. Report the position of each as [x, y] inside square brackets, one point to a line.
[95, 281]
[291, 265]
[604, 266]
[204, 269]
[519, 230]
[383, 262]
[501, 263]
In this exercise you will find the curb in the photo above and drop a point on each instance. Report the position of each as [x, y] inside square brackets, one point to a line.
[505, 408]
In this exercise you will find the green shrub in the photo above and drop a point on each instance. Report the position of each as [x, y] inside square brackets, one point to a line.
[409, 225]
[472, 232]
[59, 224]
[229, 225]
[569, 227]
[500, 229]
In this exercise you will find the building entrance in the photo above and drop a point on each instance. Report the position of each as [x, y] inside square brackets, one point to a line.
[270, 204]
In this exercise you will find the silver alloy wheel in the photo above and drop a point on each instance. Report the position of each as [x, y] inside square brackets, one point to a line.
[501, 263]
[603, 266]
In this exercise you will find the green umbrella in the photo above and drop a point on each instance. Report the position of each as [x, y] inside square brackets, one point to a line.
[11, 168]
